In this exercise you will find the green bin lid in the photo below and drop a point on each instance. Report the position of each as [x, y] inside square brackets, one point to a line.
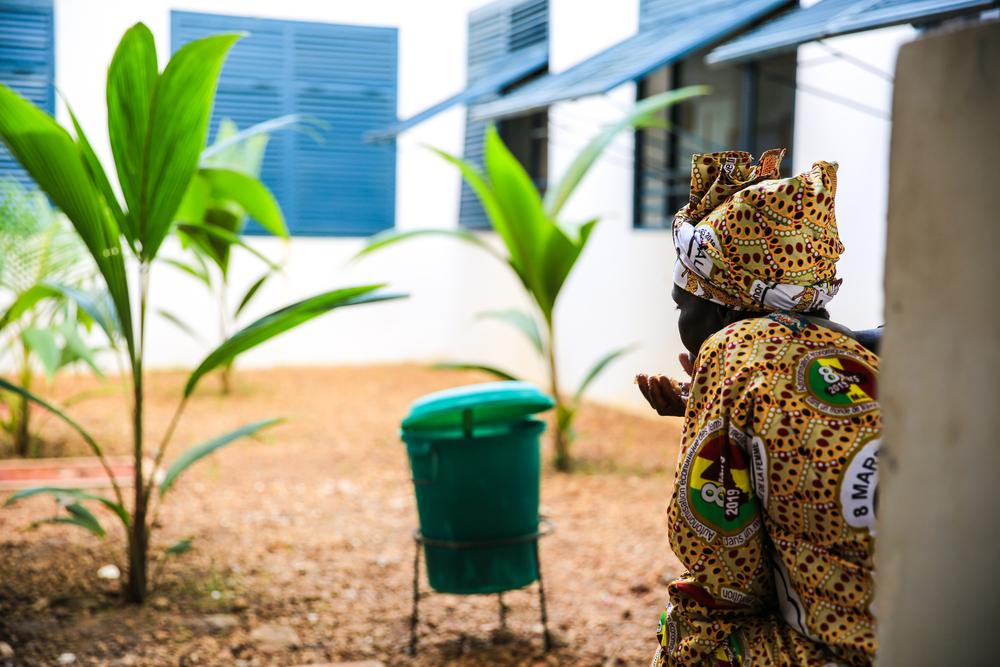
[486, 404]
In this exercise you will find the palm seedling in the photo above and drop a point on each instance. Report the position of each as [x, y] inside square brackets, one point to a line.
[225, 191]
[540, 250]
[157, 125]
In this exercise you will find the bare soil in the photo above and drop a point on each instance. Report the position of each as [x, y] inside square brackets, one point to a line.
[309, 529]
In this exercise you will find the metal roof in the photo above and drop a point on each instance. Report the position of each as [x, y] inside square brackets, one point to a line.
[679, 29]
[829, 18]
[513, 67]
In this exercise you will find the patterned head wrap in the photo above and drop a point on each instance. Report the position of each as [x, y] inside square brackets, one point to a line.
[750, 240]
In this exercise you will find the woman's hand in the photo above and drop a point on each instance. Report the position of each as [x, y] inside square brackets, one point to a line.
[668, 397]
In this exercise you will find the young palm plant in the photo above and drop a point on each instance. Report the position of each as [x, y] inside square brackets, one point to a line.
[226, 189]
[41, 328]
[541, 251]
[157, 123]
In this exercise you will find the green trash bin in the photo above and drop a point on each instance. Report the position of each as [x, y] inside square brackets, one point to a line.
[475, 458]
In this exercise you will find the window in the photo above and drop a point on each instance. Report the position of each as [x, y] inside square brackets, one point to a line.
[496, 33]
[343, 77]
[527, 137]
[751, 108]
[27, 66]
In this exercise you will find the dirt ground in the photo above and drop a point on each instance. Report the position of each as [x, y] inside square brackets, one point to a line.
[302, 539]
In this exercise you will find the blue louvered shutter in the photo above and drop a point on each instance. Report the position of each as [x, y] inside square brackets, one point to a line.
[343, 77]
[251, 89]
[652, 12]
[495, 32]
[27, 63]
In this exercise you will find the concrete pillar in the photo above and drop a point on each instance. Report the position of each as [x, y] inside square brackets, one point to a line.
[938, 558]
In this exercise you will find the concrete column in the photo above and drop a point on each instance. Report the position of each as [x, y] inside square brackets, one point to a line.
[939, 518]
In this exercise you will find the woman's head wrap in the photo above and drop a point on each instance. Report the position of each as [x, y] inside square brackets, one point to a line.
[750, 240]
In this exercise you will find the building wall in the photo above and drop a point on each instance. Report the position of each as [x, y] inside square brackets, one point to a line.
[620, 292]
[858, 139]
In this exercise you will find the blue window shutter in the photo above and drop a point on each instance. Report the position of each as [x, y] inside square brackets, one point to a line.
[27, 63]
[345, 77]
[495, 31]
[342, 76]
[654, 11]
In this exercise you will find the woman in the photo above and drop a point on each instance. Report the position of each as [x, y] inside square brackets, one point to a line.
[773, 507]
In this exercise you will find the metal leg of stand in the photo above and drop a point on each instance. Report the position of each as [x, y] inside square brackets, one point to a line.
[414, 615]
[546, 528]
[503, 612]
[547, 640]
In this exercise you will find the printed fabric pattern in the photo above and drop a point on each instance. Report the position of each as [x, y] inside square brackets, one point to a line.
[774, 500]
[750, 240]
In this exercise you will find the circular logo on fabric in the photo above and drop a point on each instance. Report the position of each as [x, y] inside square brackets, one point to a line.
[837, 382]
[859, 487]
[716, 495]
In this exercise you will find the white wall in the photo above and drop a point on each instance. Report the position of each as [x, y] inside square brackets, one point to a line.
[859, 140]
[620, 293]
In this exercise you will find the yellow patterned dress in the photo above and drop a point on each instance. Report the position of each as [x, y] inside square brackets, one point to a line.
[774, 501]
